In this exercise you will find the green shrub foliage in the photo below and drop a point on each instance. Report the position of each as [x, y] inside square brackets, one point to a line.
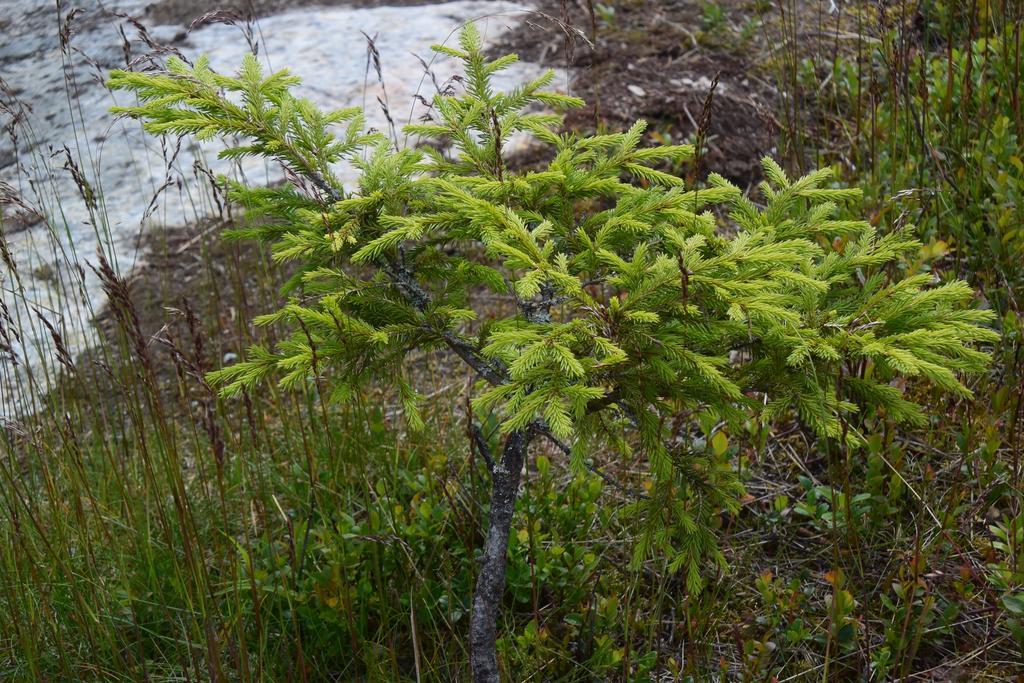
[596, 298]
[954, 131]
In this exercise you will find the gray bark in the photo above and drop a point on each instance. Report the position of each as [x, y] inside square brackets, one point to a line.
[490, 583]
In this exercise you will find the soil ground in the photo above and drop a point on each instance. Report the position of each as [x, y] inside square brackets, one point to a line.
[657, 61]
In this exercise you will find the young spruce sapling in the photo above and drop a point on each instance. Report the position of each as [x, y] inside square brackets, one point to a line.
[629, 301]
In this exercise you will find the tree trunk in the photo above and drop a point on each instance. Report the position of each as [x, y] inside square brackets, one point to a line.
[490, 584]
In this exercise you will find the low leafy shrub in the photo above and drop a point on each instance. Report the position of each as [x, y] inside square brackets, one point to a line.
[944, 136]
